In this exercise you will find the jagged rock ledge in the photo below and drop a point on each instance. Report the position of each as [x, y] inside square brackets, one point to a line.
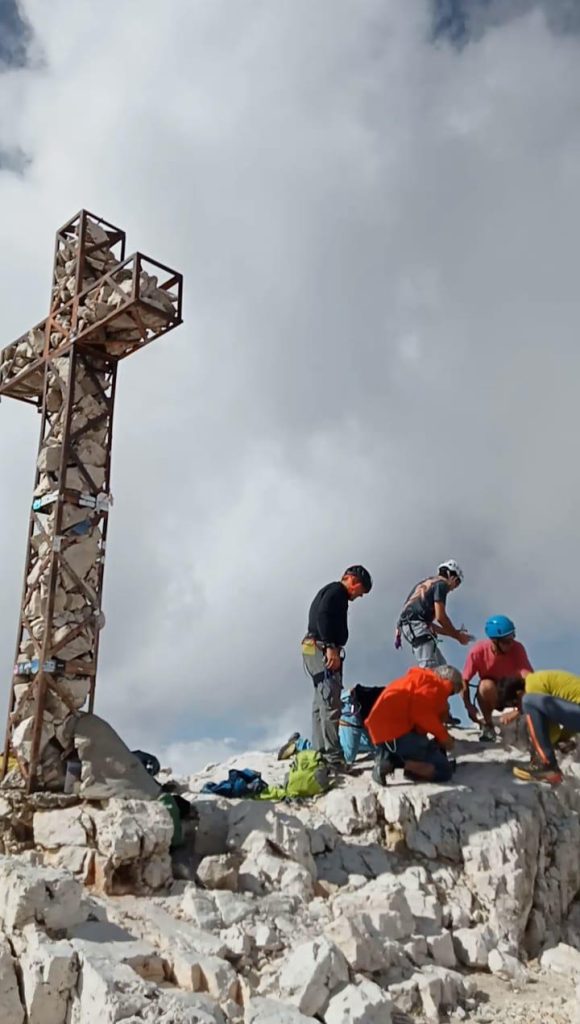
[364, 906]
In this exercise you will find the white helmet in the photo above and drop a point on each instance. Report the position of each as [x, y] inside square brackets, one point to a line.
[452, 566]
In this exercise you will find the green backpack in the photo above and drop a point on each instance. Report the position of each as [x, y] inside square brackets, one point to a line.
[308, 775]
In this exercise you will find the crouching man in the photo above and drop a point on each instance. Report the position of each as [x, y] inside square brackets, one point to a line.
[550, 705]
[408, 712]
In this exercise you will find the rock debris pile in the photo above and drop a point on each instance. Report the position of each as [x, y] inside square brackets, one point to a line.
[367, 905]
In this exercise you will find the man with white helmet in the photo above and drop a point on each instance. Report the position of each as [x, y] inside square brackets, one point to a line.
[424, 616]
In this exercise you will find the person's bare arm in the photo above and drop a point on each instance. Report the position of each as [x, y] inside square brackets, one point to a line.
[443, 625]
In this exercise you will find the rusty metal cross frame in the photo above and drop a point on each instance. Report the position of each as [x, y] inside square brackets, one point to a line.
[103, 308]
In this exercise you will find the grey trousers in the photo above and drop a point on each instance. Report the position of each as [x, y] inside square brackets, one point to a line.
[325, 706]
[427, 654]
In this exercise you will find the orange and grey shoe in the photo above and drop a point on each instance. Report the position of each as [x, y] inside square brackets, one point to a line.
[289, 747]
[534, 772]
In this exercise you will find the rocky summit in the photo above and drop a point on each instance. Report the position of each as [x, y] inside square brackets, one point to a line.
[366, 905]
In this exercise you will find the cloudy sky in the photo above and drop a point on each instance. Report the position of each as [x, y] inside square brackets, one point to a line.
[375, 205]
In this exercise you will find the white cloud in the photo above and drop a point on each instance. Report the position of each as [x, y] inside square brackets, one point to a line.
[379, 357]
[186, 758]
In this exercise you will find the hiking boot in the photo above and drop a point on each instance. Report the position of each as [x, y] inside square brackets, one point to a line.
[532, 772]
[487, 734]
[289, 747]
[383, 767]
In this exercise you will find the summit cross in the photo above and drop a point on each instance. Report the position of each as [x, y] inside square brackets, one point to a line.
[104, 306]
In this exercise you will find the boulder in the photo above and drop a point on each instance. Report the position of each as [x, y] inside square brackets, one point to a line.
[286, 834]
[442, 950]
[362, 1003]
[109, 992]
[98, 939]
[271, 1011]
[267, 868]
[562, 959]
[363, 947]
[507, 967]
[68, 826]
[472, 945]
[49, 977]
[132, 839]
[219, 871]
[11, 1009]
[311, 973]
[37, 895]
[200, 908]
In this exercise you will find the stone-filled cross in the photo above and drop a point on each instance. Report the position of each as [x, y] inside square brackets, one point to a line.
[103, 308]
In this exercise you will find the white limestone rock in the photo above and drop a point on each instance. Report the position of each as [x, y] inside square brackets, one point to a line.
[108, 993]
[31, 894]
[49, 976]
[431, 994]
[271, 1011]
[200, 908]
[311, 973]
[219, 978]
[562, 959]
[417, 950]
[11, 1009]
[98, 939]
[137, 833]
[266, 868]
[174, 1007]
[384, 904]
[442, 949]
[362, 1003]
[405, 995]
[234, 908]
[473, 945]
[219, 872]
[195, 958]
[340, 807]
[364, 948]
[22, 737]
[240, 943]
[426, 910]
[73, 690]
[507, 967]
[285, 833]
[68, 826]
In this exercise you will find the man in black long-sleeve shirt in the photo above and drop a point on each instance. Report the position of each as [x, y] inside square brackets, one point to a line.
[322, 653]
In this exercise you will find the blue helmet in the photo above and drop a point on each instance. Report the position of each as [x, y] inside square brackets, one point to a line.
[499, 626]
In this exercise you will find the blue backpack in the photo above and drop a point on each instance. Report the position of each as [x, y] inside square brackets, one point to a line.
[240, 782]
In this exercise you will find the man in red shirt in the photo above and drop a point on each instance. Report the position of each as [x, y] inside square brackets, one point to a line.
[399, 724]
[498, 660]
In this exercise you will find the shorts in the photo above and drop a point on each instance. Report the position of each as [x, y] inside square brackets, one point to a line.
[503, 687]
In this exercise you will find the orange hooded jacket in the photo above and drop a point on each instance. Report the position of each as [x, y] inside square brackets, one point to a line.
[415, 702]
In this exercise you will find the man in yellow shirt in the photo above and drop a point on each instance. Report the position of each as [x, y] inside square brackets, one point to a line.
[551, 700]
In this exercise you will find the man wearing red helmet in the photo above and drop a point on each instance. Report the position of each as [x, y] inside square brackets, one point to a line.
[323, 653]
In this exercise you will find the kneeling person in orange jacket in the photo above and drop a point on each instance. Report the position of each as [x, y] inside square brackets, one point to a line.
[407, 711]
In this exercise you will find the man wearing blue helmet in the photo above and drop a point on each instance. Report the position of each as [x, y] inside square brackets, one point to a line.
[498, 659]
